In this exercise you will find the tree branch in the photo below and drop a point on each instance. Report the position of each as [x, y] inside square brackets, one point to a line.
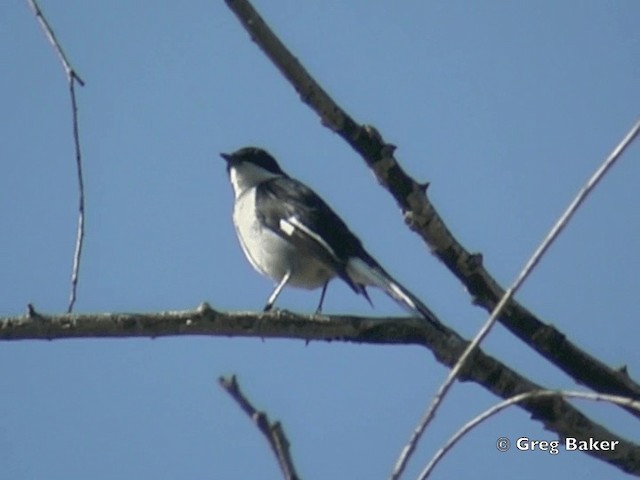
[522, 276]
[422, 217]
[273, 432]
[556, 414]
[494, 410]
[51, 36]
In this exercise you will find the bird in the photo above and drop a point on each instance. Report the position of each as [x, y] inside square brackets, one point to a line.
[291, 235]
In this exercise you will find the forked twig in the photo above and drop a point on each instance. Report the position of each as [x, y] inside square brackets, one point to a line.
[272, 431]
[72, 78]
[598, 397]
[528, 268]
[69, 70]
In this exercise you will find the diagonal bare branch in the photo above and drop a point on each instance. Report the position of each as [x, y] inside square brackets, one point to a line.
[72, 78]
[51, 36]
[556, 415]
[526, 271]
[273, 432]
[422, 217]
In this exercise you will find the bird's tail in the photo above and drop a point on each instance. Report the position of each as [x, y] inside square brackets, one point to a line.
[370, 273]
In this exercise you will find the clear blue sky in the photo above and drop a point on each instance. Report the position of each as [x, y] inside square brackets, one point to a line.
[505, 107]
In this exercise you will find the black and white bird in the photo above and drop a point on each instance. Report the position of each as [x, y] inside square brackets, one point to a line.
[291, 235]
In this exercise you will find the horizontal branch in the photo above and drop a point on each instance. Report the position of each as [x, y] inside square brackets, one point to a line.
[422, 217]
[556, 414]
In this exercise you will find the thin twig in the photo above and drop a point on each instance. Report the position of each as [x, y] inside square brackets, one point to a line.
[422, 217]
[528, 268]
[273, 432]
[72, 78]
[598, 397]
[80, 230]
[69, 70]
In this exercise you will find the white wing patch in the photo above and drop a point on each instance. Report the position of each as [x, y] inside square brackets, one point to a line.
[292, 223]
[287, 227]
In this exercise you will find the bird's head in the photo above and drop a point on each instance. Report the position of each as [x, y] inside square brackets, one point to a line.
[249, 166]
[255, 156]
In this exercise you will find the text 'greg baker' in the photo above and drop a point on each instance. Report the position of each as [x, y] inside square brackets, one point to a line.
[570, 444]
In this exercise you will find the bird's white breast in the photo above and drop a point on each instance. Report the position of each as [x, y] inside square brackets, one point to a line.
[271, 254]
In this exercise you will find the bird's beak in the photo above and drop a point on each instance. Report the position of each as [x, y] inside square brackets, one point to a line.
[229, 158]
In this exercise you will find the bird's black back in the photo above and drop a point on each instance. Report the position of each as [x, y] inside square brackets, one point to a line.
[283, 197]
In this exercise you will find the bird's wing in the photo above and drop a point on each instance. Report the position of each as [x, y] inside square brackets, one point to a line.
[299, 215]
[296, 213]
